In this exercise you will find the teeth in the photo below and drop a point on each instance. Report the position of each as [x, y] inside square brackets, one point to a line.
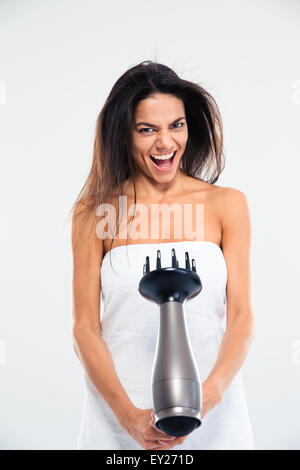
[163, 157]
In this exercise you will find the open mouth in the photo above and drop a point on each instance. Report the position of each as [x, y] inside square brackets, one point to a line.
[164, 165]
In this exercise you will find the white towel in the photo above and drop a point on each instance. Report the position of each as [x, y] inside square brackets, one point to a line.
[129, 328]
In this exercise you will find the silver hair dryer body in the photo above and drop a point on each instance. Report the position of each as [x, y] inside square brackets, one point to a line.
[176, 383]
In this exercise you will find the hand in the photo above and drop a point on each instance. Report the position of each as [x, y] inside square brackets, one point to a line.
[141, 427]
[211, 396]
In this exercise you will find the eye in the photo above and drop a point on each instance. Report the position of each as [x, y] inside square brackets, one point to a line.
[179, 123]
[144, 129]
[147, 128]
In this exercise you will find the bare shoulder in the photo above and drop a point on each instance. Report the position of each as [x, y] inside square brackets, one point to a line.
[235, 220]
[232, 209]
[84, 228]
[231, 202]
[222, 198]
[196, 185]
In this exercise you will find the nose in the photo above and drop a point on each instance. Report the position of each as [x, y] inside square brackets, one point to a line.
[164, 142]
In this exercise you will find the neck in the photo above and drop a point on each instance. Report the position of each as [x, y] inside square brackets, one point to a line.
[150, 189]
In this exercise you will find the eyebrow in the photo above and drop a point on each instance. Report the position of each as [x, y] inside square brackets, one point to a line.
[153, 125]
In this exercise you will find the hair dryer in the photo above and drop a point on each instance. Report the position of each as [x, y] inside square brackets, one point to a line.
[176, 383]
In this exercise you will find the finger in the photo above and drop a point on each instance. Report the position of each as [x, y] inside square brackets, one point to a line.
[158, 430]
[161, 432]
[161, 448]
[153, 425]
[167, 437]
[167, 445]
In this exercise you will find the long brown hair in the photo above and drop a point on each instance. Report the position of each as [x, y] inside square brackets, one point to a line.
[113, 162]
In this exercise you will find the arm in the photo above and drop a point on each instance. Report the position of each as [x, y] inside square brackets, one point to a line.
[236, 239]
[88, 344]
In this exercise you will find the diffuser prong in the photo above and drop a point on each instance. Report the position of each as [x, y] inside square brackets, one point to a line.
[158, 260]
[187, 262]
[174, 261]
[147, 264]
[194, 266]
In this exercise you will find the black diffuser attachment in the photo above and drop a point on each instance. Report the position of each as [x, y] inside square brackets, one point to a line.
[176, 383]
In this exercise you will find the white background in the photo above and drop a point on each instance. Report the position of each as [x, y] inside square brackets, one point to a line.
[59, 60]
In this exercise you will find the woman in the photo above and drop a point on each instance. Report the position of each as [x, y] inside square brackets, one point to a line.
[154, 137]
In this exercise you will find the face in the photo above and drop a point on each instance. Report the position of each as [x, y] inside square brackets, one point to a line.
[159, 130]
